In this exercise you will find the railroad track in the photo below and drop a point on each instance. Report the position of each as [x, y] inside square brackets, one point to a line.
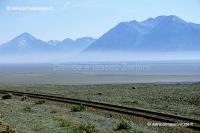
[158, 116]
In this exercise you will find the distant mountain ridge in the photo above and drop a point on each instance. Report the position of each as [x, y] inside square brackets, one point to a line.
[26, 43]
[160, 34]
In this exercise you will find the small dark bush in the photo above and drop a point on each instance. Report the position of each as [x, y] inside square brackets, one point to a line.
[53, 111]
[86, 128]
[40, 102]
[100, 94]
[7, 96]
[24, 98]
[27, 109]
[77, 108]
[124, 125]
[133, 87]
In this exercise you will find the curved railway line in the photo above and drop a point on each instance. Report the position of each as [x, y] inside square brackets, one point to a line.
[161, 117]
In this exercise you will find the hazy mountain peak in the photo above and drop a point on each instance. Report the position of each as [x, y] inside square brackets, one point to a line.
[25, 36]
[133, 22]
[68, 40]
[22, 40]
[162, 19]
[171, 18]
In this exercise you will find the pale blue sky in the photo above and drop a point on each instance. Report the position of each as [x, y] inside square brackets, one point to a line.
[78, 18]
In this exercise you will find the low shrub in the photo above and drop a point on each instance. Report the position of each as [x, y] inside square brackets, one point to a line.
[86, 128]
[133, 87]
[99, 93]
[7, 96]
[28, 109]
[53, 111]
[24, 98]
[4, 127]
[124, 125]
[78, 108]
[64, 121]
[40, 102]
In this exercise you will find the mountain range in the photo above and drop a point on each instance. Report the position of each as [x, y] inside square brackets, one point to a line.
[163, 33]
[26, 43]
[160, 34]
